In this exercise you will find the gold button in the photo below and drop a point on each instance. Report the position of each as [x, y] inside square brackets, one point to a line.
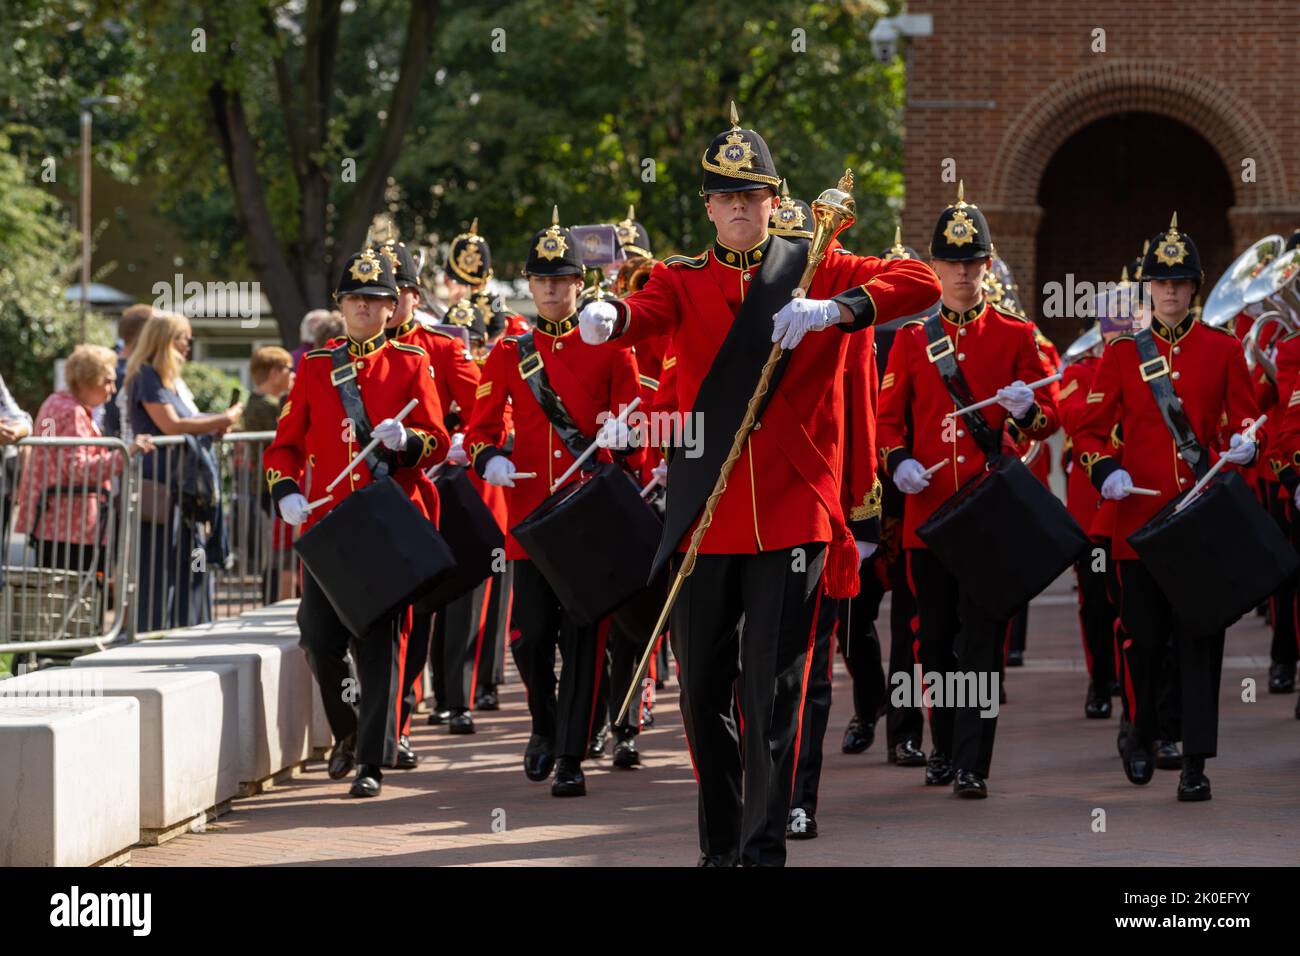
[557, 453]
[960, 433]
[355, 478]
[1174, 376]
[1177, 349]
[731, 257]
[558, 346]
[758, 253]
[961, 356]
[961, 459]
[961, 331]
[746, 276]
[359, 365]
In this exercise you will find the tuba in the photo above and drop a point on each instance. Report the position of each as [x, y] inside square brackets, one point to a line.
[1277, 290]
[1229, 295]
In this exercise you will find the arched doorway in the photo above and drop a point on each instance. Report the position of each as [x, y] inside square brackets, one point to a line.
[1112, 185]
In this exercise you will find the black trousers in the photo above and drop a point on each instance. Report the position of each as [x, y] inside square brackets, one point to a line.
[1096, 617]
[491, 654]
[417, 655]
[956, 636]
[457, 630]
[1154, 633]
[539, 627]
[743, 806]
[374, 717]
[1285, 648]
[1018, 630]
[860, 644]
[625, 652]
[816, 715]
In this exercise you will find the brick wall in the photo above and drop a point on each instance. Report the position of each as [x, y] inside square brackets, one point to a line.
[1214, 79]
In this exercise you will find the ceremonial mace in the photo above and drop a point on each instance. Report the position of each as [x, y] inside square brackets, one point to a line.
[833, 212]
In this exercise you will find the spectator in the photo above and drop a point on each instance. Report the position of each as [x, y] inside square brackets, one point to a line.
[271, 369]
[15, 425]
[63, 490]
[330, 328]
[128, 330]
[307, 333]
[157, 403]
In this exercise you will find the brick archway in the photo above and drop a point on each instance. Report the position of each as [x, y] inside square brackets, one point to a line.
[1227, 123]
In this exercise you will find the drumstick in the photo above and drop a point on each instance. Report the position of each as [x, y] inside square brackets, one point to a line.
[650, 487]
[374, 443]
[1144, 491]
[1247, 435]
[591, 449]
[933, 468]
[993, 401]
[524, 474]
[313, 505]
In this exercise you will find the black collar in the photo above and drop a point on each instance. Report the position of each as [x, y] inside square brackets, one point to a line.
[1177, 332]
[741, 259]
[562, 327]
[961, 318]
[366, 347]
[405, 328]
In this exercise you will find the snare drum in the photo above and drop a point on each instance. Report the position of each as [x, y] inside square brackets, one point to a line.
[472, 533]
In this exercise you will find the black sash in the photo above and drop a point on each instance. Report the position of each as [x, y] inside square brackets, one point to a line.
[344, 378]
[727, 388]
[1155, 372]
[940, 350]
[533, 373]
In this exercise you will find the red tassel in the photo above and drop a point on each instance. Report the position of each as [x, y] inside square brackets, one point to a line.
[841, 574]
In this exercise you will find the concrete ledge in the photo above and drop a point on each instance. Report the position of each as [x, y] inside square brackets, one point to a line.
[70, 785]
[274, 697]
[189, 731]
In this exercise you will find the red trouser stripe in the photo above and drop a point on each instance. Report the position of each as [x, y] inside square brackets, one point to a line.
[803, 692]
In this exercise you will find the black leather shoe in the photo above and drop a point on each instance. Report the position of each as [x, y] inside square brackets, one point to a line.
[460, 723]
[1193, 784]
[1139, 766]
[439, 715]
[802, 825]
[343, 757]
[1121, 739]
[1096, 706]
[1281, 678]
[1015, 658]
[971, 785]
[939, 772]
[647, 716]
[569, 781]
[707, 859]
[367, 783]
[407, 759]
[599, 740]
[858, 736]
[1167, 755]
[626, 756]
[487, 700]
[907, 754]
[539, 759]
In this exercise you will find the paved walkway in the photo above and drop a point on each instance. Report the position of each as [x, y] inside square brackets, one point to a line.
[469, 803]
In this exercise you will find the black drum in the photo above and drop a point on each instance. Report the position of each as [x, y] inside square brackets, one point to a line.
[593, 542]
[1217, 558]
[373, 554]
[470, 530]
[1004, 536]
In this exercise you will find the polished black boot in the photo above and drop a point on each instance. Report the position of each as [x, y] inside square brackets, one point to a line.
[1167, 755]
[1193, 784]
[626, 755]
[439, 715]
[343, 757]
[858, 736]
[906, 754]
[599, 740]
[486, 699]
[407, 759]
[802, 825]
[1139, 766]
[971, 785]
[367, 783]
[539, 758]
[939, 772]
[1096, 706]
[1121, 739]
[569, 781]
[460, 722]
[1281, 678]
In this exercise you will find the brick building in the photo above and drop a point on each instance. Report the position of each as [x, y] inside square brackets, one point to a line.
[1077, 155]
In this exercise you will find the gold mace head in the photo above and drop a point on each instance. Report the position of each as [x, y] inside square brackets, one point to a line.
[833, 212]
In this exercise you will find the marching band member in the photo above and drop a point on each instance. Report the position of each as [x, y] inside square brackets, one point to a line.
[779, 520]
[532, 372]
[969, 343]
[387, 375]
[1179, 379]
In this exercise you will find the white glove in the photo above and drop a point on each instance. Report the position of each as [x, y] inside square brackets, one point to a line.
[1016, 398]
[865, 550]
[614, 434]
[798, 317]
[456, 454]
[294, 510]
[660, 472]
[1297, 496]
[910, 477]
[499, 471]
[391, 434]
[596, 322]
[1241, 450]
[1117, 485]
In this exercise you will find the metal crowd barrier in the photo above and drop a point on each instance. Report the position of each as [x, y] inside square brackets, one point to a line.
[92, 552]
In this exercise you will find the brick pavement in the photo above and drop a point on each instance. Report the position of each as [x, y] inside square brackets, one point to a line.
[1052, 768]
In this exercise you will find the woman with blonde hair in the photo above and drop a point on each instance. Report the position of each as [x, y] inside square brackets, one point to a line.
[63, 490]
[158, 403]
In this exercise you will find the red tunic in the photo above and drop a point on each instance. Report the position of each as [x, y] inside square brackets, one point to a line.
[993, 350]
[313, 429]
[1208, 371]
[1094, 514]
